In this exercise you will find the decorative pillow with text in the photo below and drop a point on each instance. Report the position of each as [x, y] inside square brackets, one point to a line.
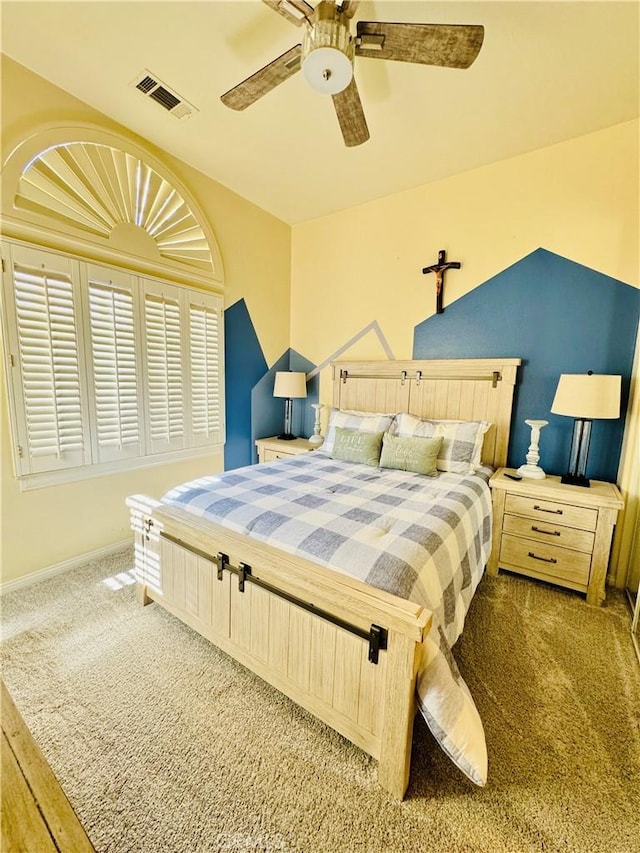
[412, 453]
[352, 445]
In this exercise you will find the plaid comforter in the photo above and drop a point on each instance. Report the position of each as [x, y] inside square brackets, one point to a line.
[424, 539]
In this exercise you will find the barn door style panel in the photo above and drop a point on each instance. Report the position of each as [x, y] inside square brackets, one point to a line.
[323, 667]
[450, 389]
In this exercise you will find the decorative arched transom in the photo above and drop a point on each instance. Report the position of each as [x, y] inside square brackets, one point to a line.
[112, 195]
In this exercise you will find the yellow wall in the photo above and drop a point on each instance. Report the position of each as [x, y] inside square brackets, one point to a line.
[44, 527]
[578, 199]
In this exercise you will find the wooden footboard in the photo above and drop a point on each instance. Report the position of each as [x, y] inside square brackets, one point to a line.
[346, 652]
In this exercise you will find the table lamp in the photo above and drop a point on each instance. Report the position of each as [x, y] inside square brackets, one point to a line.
[585, 396]
[289, 384]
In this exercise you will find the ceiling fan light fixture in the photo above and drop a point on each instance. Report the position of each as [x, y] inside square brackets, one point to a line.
[327, 70]
[327, 56]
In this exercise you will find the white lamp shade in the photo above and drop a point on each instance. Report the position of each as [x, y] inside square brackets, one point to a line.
[584, 395]
[290, 384]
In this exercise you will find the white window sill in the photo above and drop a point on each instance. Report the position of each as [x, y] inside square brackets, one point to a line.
[87, 472]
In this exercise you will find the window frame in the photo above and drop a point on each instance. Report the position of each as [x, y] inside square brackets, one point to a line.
[87, 269]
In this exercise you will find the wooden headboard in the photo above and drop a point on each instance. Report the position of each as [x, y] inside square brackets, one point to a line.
[468, 389]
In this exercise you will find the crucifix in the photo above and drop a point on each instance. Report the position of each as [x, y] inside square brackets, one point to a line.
[439, 269]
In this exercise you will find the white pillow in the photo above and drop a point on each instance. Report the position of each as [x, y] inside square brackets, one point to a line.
[461, 449]
[350, 419]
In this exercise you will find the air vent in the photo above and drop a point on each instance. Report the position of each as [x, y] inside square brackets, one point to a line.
[152, 87]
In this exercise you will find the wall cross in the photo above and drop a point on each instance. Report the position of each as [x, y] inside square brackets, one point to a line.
[439, 269]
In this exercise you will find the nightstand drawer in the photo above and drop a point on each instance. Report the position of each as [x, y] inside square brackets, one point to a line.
[543, 510]
[545, 560]
[270, 449]
[549, 532]
[270, 455]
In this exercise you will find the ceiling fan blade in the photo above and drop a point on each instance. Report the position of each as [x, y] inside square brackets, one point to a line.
[295, 11]
[263, 81]
[448, 45]
[351, 115]
[349, 7]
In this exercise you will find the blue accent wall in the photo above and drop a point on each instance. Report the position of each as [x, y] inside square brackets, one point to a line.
[268, 411]
[251, 409]
[559, 317]
[244, 366]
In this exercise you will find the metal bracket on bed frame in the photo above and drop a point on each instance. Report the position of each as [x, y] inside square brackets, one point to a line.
[221, 560]
[376, 636]
[377, 641]
[243, 570]
[147, 524]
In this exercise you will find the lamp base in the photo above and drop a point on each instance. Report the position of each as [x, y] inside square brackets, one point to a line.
[577, 473]
[287, 436]
[575, 480]
[531, 472]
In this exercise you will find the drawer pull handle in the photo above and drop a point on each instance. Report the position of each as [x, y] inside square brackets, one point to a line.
[542, 509]
[548, 532]
[544, 559]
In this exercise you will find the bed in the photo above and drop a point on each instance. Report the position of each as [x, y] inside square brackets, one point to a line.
[233, 558]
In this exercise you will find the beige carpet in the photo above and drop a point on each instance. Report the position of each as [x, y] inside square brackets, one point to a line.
[164, 744]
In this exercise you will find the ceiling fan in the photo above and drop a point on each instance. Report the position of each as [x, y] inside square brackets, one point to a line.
[328, 49]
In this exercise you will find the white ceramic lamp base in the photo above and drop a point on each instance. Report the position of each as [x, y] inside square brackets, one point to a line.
[532, 470]
[316, 439]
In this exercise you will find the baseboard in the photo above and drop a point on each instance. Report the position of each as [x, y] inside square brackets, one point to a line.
[58, 568]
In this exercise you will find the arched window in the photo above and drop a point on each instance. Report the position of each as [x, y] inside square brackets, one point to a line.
[113, 314]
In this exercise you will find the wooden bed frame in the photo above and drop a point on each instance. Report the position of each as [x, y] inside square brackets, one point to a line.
[347, 652]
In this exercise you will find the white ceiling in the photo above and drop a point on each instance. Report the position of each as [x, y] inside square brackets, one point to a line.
[547, 71]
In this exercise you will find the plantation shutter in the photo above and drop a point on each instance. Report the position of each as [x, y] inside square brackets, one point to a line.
[113, 361]
[164, 369]
[205, 361]
[106, 368]
[51, 424]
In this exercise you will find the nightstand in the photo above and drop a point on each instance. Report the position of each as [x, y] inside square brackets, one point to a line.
[557, 533]
[277, 448]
